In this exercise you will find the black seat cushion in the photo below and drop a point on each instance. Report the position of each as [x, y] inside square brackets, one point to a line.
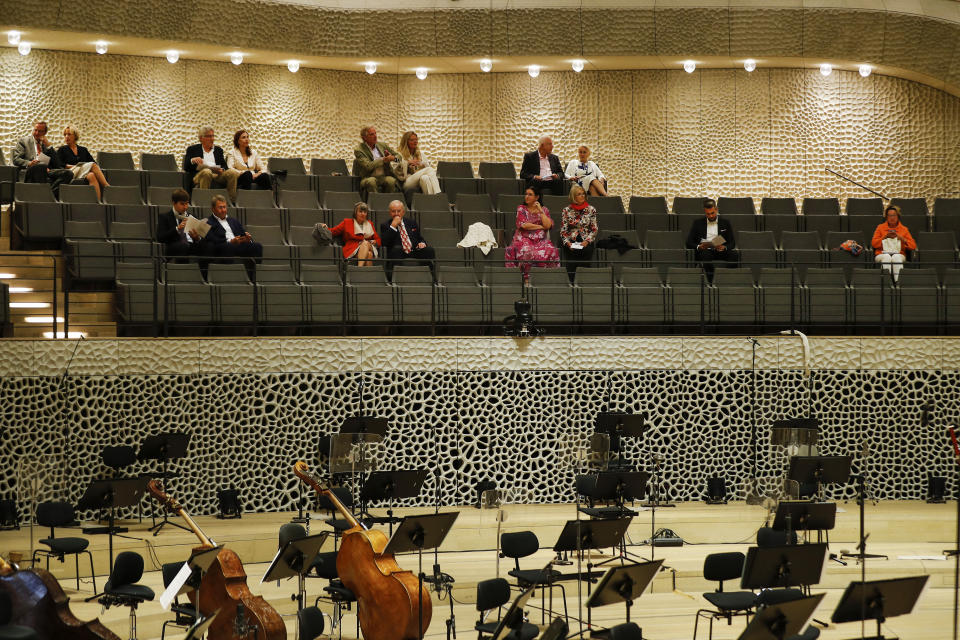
[66, 545]
[340, 592]
[339, 525]
[132, 591]
[732, 600]
[535, 576]
[528, 632]
[778, 596]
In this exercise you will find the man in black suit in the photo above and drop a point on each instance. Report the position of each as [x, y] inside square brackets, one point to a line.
[542, 170]
[402, 240]
[170, 229]
[711, 237]
[206, 165]
[228, 239]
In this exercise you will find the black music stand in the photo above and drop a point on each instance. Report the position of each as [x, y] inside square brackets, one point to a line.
[620, 425]
[416, 533]
[780, 621]
[618, 486]
[785, 566]
[390, 486]
[819, 470]
[201, 626]
[805, 516]
[109, 494]
[296, 559]
[580, 535]
[879, 600]
[199, 563]
[165, 447]
[622, 584]
[512, 620]
[861, 555]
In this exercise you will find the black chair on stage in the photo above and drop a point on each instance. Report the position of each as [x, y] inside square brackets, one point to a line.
[494, 594]
[293, 531]
[325, 504]
[61, 514]
[186, 613]
[310, 623]
[770, 537]
[12, 631]
[342, 598]
[521, 544]
[122, 588]
[719, 567]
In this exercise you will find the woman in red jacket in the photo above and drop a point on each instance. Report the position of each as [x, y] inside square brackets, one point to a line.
[891, 241]
[360, 239]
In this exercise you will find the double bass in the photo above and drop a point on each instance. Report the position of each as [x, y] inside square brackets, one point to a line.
[388, 597]
[224, 587]
[38, 602]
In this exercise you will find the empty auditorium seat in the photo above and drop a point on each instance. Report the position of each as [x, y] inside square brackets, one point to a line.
[233, 293]
[115, 160]
[140, 297]
[290, 165]
[37, 216]
[648, 205]
[414, 299]
[937, 249]
[689, 296]
[504, 287]
[500, 178]
[606, 204]
[462, 299]
[871, 304]
[665, 249]
[686, 204]
[261, 217]
[735, 206]
[188, 296]
[778, 223]
[595, 295]
[456, 178]
[433, 202]
[332, 175]
[736, 296]
[369, 295]
[255, 198]
[801, 249]
[158, 162]
[324, 292]
[911, 206]
[281, 296]
[643, 300]
[780, 292]
[918, 299]
[826, 301]
[821, 207]
[552, 296]
[757, 249]
[865, 207]
[88, 252]
[122, 195]
[778, 206]
[343, 200]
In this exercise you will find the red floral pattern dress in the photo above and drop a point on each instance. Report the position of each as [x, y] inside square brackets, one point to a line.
[532, 245]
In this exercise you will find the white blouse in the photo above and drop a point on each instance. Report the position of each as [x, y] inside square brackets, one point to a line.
[576, 169]
[235, 161]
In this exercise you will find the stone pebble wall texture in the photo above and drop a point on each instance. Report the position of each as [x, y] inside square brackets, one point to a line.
[512, 411]
[718, 132]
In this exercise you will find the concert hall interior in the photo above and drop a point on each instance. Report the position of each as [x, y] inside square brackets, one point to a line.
[428, 379]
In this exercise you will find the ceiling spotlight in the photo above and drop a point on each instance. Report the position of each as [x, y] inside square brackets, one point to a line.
[689, 66]
[370, 67]
[236, 58]
[486, 65]
[172, 56]
[100, 46]
[865, 70]
[293, 66]
[826, 69]
[533, 70]
[24, 48]
[577, 65]
[422, 73]
[749, 64]
[13, 37]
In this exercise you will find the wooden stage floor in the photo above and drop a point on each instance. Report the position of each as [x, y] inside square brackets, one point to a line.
[904, 531]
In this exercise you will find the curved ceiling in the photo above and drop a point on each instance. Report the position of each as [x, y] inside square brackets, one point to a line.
[918, 40]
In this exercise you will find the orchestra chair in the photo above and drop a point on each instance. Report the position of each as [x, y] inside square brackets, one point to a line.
[310, 623]
[625, 631]
[12, 631]
[122, 588]
[521, 544]
[718, 567]
[185, 612]
[61, 514]
[494, 594]
[337, 594]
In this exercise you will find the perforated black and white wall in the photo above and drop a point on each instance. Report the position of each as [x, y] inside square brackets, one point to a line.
[511, 411]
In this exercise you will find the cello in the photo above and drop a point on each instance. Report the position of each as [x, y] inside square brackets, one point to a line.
[224, 587]
[388, 597]
[38, 602]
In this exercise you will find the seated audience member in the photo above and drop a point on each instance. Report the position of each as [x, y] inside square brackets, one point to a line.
[415, 170]
[531, 246]
[402, 240]
[79, 161]
[227, 237]
[586, 173]
[372, 163]
[360, 239]
[26, 156]
[542, 170]
[891, 241]
[243, 158]
[578, 231]
[171, 231]
[705, 234]
[206, 165]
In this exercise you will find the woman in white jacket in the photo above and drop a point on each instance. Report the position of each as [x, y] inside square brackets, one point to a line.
[415, 170]
[586, 173]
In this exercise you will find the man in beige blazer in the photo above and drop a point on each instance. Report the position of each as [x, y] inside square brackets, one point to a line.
[371, 163]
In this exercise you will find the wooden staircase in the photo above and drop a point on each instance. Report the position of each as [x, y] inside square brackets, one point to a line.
[91, 313]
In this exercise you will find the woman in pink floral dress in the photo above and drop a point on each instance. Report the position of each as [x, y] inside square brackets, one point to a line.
[531, 242]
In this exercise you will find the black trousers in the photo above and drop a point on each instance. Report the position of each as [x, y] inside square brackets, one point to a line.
[395, 255]
[574, 258]
[247, 181]
[710, 256]
[554, 187]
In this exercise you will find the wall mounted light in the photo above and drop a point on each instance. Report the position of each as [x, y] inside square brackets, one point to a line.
[865, 70]
[13, 37]
[486, 65]
[172, 56]
[236, 58]
[293, 66]
[370, 67]
[749, 64]
[533, 70]
[826, 69]
[24, 48]
[100, 46]
[577, 65]
[689, 66]
[422, 73]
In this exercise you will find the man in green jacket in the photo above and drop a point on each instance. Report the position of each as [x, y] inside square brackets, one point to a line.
[372, 164]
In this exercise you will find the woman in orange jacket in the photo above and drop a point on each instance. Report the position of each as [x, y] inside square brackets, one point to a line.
[359, 236]
[891, 241]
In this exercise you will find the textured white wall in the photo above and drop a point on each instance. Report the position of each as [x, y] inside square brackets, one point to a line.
[717, 132]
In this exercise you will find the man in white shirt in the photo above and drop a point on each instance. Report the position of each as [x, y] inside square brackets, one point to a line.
[207, 166]
[711, 237]
[542, 170]
[227, 238]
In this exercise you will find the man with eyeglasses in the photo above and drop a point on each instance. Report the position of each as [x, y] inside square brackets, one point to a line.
[207, 166]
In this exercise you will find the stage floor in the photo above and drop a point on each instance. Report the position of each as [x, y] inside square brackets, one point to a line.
[910, 533]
